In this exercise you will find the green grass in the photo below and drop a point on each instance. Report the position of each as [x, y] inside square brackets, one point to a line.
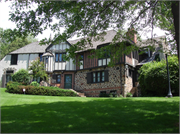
[52, 114]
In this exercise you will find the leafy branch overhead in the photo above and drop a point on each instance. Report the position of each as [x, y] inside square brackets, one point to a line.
[90, 18]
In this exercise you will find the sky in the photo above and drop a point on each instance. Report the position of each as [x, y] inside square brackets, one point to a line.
[5, 23]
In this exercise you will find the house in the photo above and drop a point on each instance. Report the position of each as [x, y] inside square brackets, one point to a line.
[93, 76]
[60, 71]
[18, 59]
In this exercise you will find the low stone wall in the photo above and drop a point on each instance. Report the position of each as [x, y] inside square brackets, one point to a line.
[94, 89]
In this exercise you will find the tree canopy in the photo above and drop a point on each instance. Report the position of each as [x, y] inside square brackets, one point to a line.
[9, 42]
[92, 18]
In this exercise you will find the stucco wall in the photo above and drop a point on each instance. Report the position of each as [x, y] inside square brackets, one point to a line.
[22, 62]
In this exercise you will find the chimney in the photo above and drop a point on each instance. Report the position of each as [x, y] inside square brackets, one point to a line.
[131, 34]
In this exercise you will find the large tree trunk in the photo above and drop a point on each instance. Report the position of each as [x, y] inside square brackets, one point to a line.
[175, 12]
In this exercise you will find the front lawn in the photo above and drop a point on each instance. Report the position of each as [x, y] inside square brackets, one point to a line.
[52, 114]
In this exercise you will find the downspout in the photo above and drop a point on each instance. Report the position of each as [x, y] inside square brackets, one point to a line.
[28, 62]
[121, 79]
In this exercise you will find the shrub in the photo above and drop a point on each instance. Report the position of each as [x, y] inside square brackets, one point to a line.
[21, 76]
[104, 95]
[35, 83]
[14, 87]
[120, 95]
[108, 95]
[153, 77]
[129, 95]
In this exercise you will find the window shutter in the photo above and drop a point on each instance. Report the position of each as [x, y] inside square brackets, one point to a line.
[89, 79]
[53, 78]
[106, 75]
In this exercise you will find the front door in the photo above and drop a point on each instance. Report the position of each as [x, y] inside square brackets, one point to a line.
[68, 81]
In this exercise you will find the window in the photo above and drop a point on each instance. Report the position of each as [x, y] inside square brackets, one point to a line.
[8, 75]
[56, 78]
[81, 61]
[14, 58]
[59, 57]
[46, 59]
[97, 77]
[94, 77]
[157, 58]
[105, 59]
[40, 56]
[130, 73]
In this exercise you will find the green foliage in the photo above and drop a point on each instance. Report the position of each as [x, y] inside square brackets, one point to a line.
[37, 113]
[129, 94]
[103, 95]
[153, 77]
[107, 95]
[35, 83]
[15, 87]
[10, 42]
[21, 76]
[88, 18]
[38, 70]
[12, 86]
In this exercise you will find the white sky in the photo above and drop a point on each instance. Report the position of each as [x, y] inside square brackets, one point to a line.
[5, 23]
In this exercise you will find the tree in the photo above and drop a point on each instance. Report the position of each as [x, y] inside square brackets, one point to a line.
[154, 80]
[9, 42]
[92, 18]
[38, 70]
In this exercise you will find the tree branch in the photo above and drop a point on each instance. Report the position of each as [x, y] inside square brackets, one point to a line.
[142, 13]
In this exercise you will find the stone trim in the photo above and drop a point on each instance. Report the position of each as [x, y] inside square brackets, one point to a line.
[9, 69]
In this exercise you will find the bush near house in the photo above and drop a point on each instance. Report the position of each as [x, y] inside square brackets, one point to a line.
[35, 83]
[153, 77]
[15, 87]
[21, 76]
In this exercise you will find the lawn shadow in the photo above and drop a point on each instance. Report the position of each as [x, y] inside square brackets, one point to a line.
[96, 116]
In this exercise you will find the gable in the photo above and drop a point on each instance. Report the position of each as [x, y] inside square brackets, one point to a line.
[61, 47]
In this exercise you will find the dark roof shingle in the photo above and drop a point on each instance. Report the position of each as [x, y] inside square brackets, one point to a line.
[31, 48]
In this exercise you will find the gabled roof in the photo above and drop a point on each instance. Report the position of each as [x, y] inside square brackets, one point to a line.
[31, 48]
[107, 39]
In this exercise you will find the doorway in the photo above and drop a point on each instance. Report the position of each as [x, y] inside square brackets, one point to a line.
[68, 81]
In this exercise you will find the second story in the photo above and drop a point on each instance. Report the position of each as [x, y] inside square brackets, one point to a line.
[54, 58]
[89, 63]
[133, 59]
[22, 58]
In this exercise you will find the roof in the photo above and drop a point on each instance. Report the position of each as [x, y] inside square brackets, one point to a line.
[107, 39]
[149, 59]
[156, 42]
[31, 48]
[47, 54]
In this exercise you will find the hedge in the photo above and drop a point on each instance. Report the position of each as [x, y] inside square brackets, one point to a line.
[153, 78]
[14, 87]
